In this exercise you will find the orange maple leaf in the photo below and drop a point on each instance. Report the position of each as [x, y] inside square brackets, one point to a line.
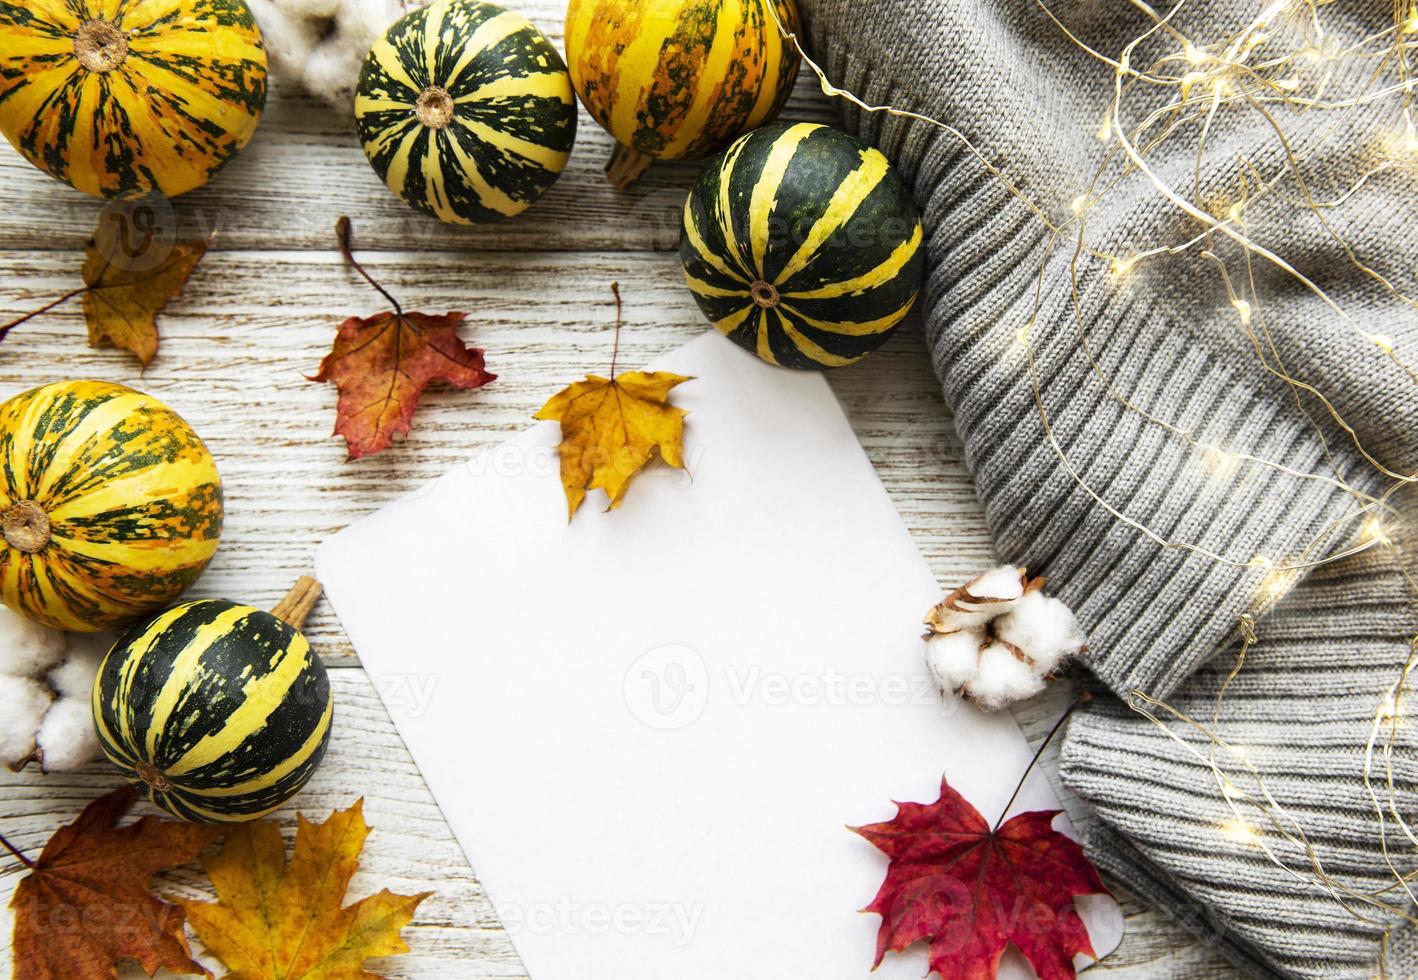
[275, 918]
[381, 365]
[85, 903]
[611, 427]
[131, 273]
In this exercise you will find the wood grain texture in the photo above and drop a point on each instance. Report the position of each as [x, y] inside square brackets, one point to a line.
[457, 935]
[261, 311]
[250, 325]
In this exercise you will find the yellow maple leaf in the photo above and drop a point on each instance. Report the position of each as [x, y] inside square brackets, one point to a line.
[275, 920]
[611, 427]
[131, 273]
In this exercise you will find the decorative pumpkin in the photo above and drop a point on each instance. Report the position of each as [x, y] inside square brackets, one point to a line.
[672, 79]
[466, 111]
[802, 245]
[220, 711]
[118, 98]
[110, 505]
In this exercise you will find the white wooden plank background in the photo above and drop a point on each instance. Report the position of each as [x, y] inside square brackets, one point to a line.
[258, 315]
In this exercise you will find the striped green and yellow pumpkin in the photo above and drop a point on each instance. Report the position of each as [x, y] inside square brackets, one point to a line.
[119, 97]
[802, 245]
[671, 79]
[110, 505]
[219, 711]
[466, 111]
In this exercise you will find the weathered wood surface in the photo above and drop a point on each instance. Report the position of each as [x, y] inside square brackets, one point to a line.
[457, 935]
[259, 314]
[250, 325]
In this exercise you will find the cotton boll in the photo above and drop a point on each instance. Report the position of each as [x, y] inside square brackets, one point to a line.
[1002, 678]
[23, 702]
[1044, 628]
[27, 649]
[66, 737]
[953, 657]
[30, 718]
[997, 637]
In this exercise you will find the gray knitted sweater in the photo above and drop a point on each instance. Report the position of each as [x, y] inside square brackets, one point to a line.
[1164, 621]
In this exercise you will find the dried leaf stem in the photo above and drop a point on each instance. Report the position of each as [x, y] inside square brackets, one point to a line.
[342, 231]
[615, 350]
[1083, 698]
[16, 852]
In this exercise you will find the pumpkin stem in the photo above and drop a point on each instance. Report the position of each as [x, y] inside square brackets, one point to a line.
[434, 107]
[764, 293]
[25, 526]
[626, 166]
[100, 45]
[296, 606]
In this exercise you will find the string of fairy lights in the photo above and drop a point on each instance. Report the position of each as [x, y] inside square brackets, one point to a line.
[1284, 60]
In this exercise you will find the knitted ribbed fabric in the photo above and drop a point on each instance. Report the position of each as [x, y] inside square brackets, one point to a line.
[1164, 621]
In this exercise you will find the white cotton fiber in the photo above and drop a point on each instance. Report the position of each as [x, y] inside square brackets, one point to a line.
[27, 649]
[953, 657]
[320, 45]
[23, 702]
[66, 737]
[46, 678]
[1002, 678]
[74, 678]
[1043, 627]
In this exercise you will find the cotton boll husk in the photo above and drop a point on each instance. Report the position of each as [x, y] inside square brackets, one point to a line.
[1002, 678]
[66, 737]
[23, 702]
[27, 649]
[1044, 628]
[978, 601]
[953, 657]
[1003, 582]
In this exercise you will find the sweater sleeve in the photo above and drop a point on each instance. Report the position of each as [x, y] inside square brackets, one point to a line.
[1138, 373]
[1161, 400]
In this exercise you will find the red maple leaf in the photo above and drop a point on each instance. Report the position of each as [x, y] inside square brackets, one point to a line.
[970, 890]
[381, 365]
